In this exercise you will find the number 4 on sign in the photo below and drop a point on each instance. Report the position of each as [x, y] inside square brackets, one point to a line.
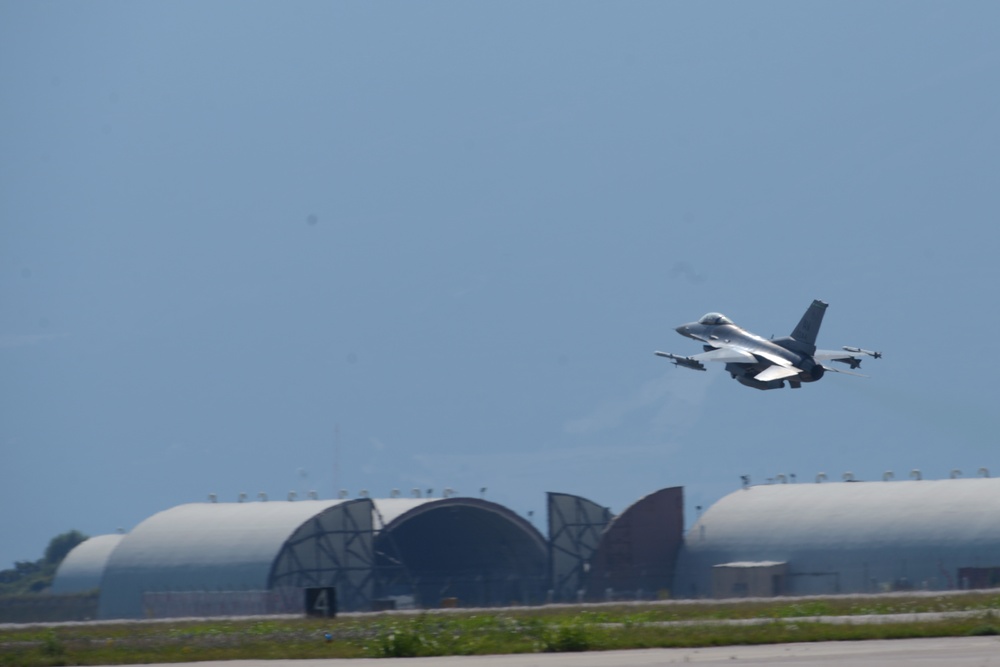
[321, 601]
[321, 605]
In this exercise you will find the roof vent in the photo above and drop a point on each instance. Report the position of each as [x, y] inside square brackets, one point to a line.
[916, 474]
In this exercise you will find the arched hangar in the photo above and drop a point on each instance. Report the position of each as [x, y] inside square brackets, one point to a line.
[479, 552]
[257, 557]
[82, 568]
[846, 537]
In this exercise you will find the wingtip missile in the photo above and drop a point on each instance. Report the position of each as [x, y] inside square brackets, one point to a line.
[858, 350]
[686, 362]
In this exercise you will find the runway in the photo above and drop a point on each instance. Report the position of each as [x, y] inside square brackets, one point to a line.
[950, 651]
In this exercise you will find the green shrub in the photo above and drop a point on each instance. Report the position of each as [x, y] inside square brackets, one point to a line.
[52, 646]
[566, 638]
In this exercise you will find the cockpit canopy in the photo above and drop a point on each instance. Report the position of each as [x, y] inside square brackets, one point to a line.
[714, 318]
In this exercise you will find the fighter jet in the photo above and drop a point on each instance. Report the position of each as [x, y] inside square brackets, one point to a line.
[767, 364]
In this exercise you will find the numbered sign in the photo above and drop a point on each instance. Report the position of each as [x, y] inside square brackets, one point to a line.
[321, 602]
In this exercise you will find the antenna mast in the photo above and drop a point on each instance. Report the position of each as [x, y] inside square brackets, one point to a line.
[336, 458]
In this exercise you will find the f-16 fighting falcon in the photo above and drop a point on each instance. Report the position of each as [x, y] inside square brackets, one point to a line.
[766, 364]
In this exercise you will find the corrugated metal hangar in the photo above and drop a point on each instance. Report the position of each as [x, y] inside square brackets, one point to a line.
[776, 539]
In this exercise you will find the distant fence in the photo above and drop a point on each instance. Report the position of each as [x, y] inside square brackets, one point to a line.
[44, 607]
[174, 604]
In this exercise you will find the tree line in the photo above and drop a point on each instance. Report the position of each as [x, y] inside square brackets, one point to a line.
[36, 576]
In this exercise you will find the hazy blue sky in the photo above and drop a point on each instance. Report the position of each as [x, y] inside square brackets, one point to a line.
[455, 232]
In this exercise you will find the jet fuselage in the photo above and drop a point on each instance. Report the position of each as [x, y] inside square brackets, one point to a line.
[765, 364]
[724, 335]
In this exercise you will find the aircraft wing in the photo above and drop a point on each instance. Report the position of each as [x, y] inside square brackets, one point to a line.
[729, 355]
[775, 359]
[725, 355]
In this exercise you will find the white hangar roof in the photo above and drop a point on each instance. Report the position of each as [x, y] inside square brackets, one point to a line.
[855, 534]
[206, 549]
[243, 537]
[202, 546]
[83, 567]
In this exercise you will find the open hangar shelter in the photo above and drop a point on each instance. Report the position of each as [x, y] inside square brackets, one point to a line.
[205, 559]
[845, 537]
[596, 556]
[256, 557]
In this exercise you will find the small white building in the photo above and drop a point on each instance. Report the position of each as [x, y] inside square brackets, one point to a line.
[749, 579]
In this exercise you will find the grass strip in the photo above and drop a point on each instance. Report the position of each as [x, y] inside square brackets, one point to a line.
[526, 630]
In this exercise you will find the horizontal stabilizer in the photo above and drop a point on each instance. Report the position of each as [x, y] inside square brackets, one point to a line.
[853, 362]
[849, 356]
[776, 373]
[858, 350]
[843, 372]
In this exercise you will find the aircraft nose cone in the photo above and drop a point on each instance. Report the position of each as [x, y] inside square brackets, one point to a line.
[682, 329]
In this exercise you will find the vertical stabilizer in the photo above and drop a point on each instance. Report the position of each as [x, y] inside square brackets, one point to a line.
[808, 327]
